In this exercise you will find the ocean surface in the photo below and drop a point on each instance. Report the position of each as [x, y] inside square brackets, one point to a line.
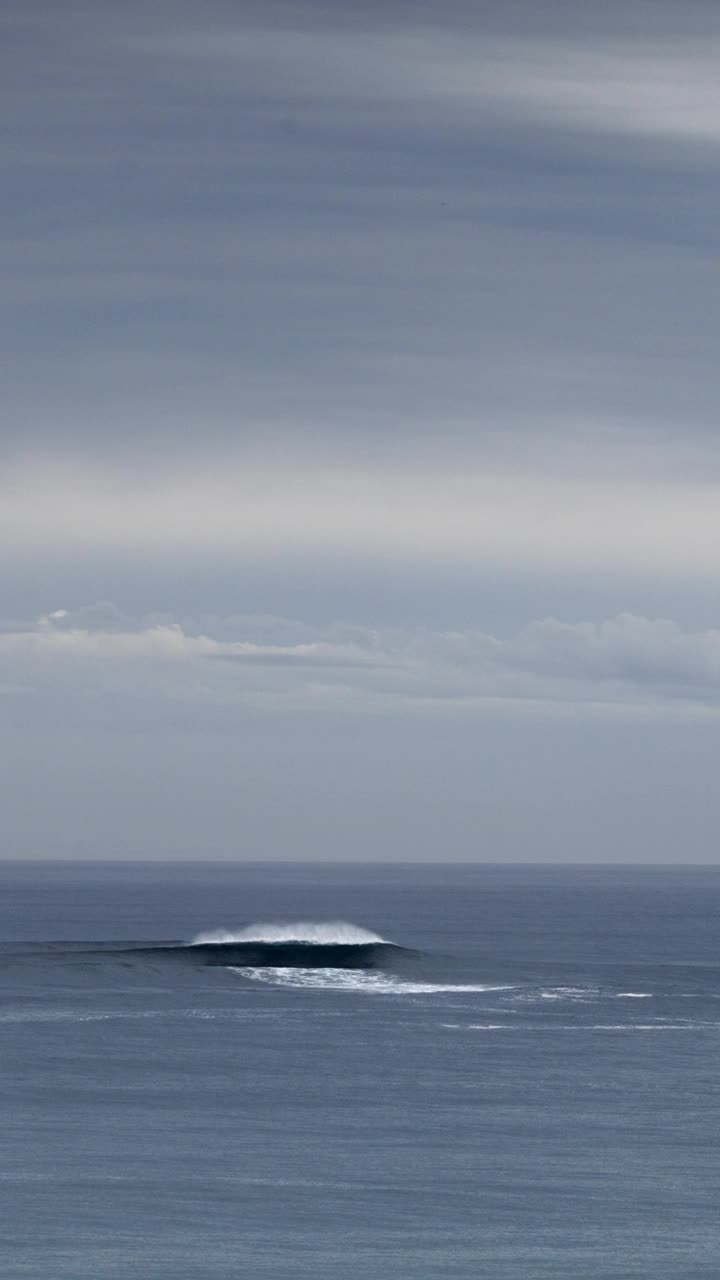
[213, 1071]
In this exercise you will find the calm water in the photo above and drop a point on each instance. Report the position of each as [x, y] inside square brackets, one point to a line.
[524, 1085]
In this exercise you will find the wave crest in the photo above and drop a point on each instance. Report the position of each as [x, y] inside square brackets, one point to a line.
[328, 933]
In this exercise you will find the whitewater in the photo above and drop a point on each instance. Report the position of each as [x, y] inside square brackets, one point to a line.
[318, 932]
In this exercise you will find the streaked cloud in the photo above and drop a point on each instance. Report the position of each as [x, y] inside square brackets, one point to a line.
[640, 87]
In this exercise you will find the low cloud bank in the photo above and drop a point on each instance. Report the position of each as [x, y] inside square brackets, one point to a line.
[626, 662]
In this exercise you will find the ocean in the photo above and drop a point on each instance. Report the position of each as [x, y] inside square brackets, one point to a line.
[410, 1071]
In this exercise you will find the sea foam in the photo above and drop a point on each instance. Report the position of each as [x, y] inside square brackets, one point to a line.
[344, 980]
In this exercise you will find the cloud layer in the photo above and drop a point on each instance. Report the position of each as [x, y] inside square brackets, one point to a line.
[637, 87]
[291, 227]
[626, 663]
[397, 313]
[487, 514]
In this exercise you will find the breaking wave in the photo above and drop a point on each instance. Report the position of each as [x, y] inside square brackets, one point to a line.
[319, 934]
[336, 945]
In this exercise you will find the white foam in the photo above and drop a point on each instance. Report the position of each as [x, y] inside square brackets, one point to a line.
[582, 995]
[475, 1026]
[354, 980]
[115, 1015]
[568, 993]
[324, 933]
[76, 1015]
[592, 1026]
[647, 1026]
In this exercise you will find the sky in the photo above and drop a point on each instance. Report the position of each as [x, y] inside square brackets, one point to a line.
[359, 459]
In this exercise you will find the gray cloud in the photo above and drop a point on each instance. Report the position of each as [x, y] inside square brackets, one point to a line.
[627, 87]
[629, 663]
[393, 312]
[474, 511]
[286, 226]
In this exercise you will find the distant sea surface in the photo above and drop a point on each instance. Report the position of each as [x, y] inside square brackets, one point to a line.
[240, 1070]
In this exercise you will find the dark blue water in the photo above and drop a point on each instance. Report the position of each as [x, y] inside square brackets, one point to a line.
[524, 1085]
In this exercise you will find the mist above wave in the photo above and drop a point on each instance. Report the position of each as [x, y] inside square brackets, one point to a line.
[323, 933]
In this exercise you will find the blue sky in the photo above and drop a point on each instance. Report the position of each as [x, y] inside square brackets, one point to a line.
[359, 462]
